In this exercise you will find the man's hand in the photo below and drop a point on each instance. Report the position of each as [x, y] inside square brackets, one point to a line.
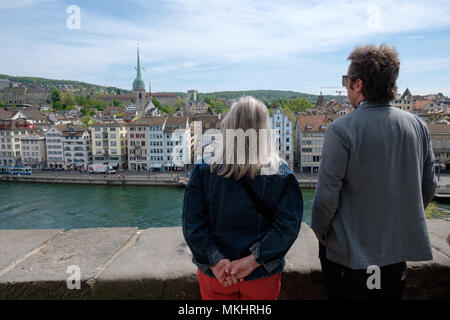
[240, 269]
[219, 270]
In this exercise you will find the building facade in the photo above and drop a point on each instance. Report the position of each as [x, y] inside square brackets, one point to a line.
[76, 146]
[440, 140]
[10, 145]
[54, 145]
[33, 150]
[109, 143]
[310, 132]
[283, 129]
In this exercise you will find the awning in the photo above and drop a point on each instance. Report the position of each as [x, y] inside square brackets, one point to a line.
[156, 165]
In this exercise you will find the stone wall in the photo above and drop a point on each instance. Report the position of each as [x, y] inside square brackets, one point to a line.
[127, 263]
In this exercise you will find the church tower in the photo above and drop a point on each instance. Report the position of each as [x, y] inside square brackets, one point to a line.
[139, 87]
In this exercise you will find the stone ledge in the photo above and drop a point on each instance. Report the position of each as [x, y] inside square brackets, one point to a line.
[124, 263]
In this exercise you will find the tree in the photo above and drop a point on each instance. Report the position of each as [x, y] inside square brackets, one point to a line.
[2, 103]
[157, 103]
[68, 99]
[177, 104]
[117, 103]
[56, 96]
[87, 121]
[57, 105]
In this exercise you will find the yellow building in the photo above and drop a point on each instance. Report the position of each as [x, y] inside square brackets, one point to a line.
[109, 143]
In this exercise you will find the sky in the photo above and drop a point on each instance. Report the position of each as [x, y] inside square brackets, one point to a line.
[222, 45]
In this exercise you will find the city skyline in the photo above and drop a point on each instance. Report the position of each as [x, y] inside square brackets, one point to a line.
[221, 46]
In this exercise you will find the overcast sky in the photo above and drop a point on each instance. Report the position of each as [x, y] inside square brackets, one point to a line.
[223, 45]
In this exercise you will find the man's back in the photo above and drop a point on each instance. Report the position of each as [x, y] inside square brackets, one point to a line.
[380, 158]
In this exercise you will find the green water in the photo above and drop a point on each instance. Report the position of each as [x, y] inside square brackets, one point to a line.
[48, 206]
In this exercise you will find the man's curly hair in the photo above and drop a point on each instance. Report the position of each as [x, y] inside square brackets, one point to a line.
[378, 68]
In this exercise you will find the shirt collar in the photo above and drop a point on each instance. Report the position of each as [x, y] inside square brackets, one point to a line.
[367, 104]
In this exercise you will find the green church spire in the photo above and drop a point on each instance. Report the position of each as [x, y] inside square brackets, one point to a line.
[138, 83]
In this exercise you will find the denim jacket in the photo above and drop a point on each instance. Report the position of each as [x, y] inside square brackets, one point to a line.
[220, 220]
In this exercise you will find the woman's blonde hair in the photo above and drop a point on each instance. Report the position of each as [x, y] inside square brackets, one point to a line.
[250, 115]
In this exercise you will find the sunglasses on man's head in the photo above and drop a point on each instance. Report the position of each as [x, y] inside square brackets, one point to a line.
[344, 80]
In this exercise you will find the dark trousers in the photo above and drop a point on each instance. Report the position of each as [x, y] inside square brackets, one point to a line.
[343, 283]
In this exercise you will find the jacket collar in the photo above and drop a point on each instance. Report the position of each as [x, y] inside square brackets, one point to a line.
[367, 104]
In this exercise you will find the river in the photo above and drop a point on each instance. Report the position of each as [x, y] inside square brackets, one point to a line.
[61, 206]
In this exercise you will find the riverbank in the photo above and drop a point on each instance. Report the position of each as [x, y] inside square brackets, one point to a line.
[162, 179]
[156, 263]
[127, 179]
[100, 179]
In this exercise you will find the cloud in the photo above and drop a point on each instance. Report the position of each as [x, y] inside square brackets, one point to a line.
[190, 36]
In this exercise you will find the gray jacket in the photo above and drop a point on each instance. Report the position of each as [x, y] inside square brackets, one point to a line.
[376, 177]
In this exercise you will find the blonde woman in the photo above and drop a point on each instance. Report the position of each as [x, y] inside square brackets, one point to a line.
[242, 211]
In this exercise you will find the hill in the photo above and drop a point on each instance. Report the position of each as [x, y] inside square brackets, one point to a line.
[75, 87]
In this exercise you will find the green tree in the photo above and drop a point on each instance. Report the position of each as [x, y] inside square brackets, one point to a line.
[2, 103]
[117, 103]
[157, 103]
[56, 96]
[68, 99]
[57, 105]
[177, 104]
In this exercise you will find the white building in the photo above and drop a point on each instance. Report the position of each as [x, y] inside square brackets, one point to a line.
[284, 130]
[77, 147]
[10, 133]
[176, 143]
[54, 145]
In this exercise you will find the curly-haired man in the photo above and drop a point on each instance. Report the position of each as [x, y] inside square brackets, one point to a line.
[376, 177]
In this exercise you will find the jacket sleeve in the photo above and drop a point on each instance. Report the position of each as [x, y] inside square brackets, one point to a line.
[428, 178]
[333, 167]
[195, 223]
[285, 228]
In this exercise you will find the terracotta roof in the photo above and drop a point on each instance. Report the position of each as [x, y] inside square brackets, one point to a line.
[131, 96]
[109, 110]
[311, 123]
[162, 94]
[115, 123]
[14, 124]
[148, 121]
[438, 128]
[174, 123]
[208, 121]
[420, 104]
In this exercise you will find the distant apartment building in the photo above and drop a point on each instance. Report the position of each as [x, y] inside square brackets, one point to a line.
[109, 143]
[138, 138]
[76, 146]
[177, 142]
[440, 140]
[284, 130]
[310, 132]
[33, 150]
[10, 145]
[54, 146]
[158, 143]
